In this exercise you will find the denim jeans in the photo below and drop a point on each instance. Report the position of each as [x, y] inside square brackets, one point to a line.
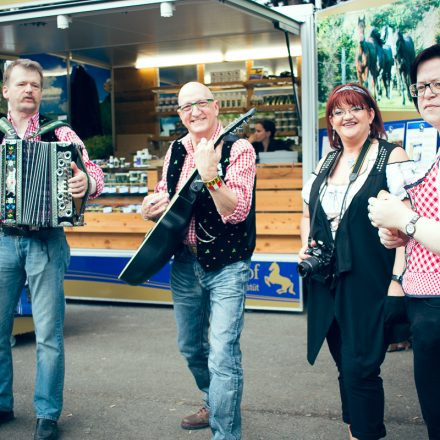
[43, 259]
[214, 301]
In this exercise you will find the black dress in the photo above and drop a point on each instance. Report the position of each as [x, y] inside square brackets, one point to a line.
[349, 308]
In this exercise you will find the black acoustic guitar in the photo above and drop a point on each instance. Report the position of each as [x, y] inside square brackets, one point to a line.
[161, 242]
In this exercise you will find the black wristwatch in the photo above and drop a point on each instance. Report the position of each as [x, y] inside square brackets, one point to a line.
[397, 278]
[410, 228]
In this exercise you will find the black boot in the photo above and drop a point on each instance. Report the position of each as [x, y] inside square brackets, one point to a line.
[46, 430]
[6, 416]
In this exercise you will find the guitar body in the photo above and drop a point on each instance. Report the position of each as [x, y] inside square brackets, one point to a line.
[167, 235]
[162, 241]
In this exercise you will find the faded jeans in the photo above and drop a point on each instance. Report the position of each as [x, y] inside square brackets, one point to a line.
[43, 259]
[215, 301]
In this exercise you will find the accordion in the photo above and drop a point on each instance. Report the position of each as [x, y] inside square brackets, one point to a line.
[34, 184]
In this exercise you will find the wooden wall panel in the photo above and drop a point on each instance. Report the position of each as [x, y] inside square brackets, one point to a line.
[279, 177]
[278, 224]
[278, 216]
[278, 200]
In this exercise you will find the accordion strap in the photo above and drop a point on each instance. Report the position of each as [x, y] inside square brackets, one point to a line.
[9, 131]
[7, 128]
[50, 126]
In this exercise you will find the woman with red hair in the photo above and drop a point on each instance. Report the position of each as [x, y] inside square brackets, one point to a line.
[353, 295]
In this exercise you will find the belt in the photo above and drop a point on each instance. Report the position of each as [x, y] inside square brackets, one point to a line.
[192, 248]
[21, 231]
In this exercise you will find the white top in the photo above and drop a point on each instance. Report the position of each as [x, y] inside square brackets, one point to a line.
[398, 174]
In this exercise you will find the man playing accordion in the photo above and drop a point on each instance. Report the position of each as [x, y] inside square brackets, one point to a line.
[40, 255]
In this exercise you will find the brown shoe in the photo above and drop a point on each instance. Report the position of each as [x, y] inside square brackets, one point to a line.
[199, 420]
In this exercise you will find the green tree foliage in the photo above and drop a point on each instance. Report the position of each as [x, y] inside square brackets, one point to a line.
[332, 40]
[99, 147]
[404, 15]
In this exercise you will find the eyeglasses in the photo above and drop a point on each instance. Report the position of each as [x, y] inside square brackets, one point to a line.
[419, 89]
[340, 113]
[201, 104]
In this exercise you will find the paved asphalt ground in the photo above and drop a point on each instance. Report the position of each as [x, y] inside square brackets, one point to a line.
[125, 380]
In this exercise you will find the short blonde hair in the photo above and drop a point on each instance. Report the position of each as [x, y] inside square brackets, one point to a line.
[26, 64]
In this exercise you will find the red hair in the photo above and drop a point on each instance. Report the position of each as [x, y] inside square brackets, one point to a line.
[355, 95]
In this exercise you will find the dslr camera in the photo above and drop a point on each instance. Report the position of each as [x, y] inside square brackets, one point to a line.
[319, 260]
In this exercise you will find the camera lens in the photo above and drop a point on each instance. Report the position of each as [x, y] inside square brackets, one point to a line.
[308, 266]
[304, 268]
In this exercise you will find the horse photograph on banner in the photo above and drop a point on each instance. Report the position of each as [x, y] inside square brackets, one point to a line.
[375, 47]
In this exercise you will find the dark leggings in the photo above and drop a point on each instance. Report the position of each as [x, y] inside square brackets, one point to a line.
[424, 316]
[361, 388]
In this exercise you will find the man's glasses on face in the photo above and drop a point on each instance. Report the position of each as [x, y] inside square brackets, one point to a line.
[200, 104]
[419, 89]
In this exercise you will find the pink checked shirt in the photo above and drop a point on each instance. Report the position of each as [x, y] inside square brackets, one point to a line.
[239, 178]
[422, 275]
[66, 134]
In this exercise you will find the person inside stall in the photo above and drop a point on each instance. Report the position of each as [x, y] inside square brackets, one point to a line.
[418, 227]
[354, 300]
[263, 138]
[39, 254]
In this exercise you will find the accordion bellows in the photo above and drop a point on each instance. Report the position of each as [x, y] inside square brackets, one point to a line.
[34, 184]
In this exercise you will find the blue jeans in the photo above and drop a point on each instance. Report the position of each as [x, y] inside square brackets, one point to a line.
[43, 261]
[214, 301]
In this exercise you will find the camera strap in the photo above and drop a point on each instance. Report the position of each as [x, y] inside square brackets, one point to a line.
[351, 179]
[355, 172]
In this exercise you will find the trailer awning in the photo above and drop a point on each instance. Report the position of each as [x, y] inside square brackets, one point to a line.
[116, 33]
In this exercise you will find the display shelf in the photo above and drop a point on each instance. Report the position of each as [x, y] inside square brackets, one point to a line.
[270, 97]
[153, 173]
[113, 195]
[275, 108]
[264, 82]
[126, 169]
[282, 133]
[166, 114]
[233, 109]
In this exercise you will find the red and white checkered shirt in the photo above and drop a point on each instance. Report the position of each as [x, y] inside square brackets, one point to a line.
[66, 134]
[422, 275]
[239, 178]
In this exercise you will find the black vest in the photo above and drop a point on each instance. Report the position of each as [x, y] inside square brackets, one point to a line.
[218, 244]
[46, 137]
[361, 265]
[355, 226]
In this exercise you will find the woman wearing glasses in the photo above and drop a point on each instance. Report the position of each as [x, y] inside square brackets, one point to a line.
[349, 273]
[419, 228]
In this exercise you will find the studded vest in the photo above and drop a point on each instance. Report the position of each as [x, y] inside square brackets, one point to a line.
[355, 237]
[218, 244]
